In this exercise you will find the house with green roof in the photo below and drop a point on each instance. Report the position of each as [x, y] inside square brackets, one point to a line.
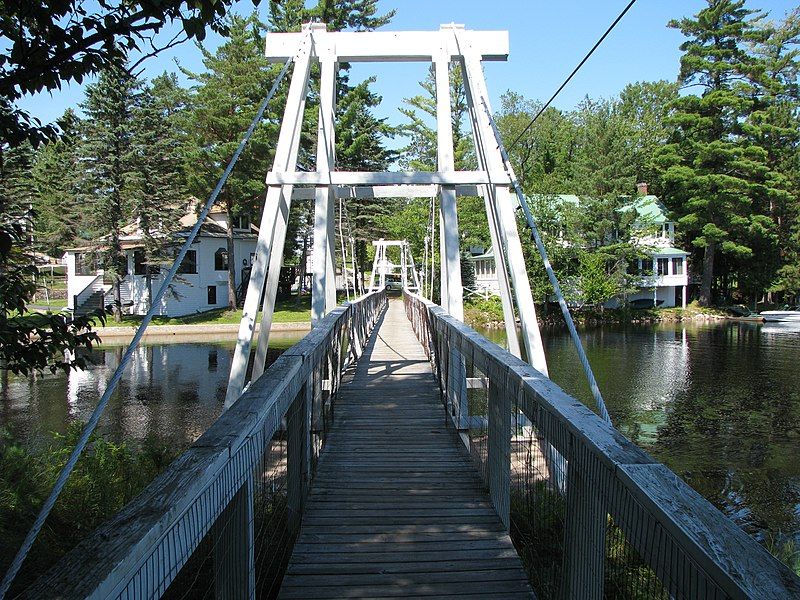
[662, 276]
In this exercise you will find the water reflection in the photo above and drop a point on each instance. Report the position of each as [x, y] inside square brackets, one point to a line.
[169, 392]
[719, 403]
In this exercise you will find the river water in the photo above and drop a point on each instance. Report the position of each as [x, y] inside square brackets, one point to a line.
[719, 403]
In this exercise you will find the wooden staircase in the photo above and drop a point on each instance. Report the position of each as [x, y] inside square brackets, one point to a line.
[93, 303]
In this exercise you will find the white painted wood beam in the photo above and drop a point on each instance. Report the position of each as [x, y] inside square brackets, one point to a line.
[451, 286]
[363, 178]
[385, 191]
[323, 286]
[273, 222]
[503, 206]
[390, 46]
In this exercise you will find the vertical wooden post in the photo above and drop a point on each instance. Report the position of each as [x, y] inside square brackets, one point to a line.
[510, 246]
[298, 452]
[234, 567]
[323, 289]
[273, 227]
[452, 292]
[499, 451]
[584, 533]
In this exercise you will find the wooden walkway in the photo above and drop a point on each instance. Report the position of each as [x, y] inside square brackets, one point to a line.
[396, 508]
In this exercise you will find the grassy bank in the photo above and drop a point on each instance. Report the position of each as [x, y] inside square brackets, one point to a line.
[286, 311]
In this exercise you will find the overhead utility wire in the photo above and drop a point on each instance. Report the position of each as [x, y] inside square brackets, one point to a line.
[598, 397]
[571, 75]
[112, 385]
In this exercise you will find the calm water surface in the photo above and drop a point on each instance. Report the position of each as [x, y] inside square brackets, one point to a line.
[170, 392]
[719, 403]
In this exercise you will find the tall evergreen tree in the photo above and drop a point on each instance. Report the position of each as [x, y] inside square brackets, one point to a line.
[713, 172]
[359, 134]
[105, 157]
[60, 218]
[156, 192]
[224, 100]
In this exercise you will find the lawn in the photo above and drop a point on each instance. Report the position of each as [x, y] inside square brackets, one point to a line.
[286, 311]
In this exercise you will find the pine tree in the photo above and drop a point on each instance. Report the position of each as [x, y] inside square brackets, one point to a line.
[155, 188]
[105, 159]
[224, 101]
[775, 125]
[712, 170]
[359, 134]
[60, 218]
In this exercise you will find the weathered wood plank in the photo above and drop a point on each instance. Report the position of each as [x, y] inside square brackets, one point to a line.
[396, 507]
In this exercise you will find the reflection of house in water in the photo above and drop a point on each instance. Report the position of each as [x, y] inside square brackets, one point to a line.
[171, 390]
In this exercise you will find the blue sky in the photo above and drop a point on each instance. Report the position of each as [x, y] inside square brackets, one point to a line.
[547, 39]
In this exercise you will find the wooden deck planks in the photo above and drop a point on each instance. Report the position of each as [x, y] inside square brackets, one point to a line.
[396, 508]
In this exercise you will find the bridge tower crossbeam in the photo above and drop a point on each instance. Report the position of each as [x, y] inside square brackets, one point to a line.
[451, 44]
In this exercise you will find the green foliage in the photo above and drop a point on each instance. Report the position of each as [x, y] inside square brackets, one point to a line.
[55, 174]
[716, 169]
[105, 154]
[28, 342]
[482, 312]
[48, 44]
[597, 285]
[107, 476]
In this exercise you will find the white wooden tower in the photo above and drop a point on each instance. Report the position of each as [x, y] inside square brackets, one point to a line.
[451, 43]
[382, 266]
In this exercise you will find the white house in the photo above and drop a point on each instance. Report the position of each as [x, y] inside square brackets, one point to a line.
[663, 276]
[202, 280]
[483, 266]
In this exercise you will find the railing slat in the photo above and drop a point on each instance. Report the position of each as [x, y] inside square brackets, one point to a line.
[611, 484]
[140, 550]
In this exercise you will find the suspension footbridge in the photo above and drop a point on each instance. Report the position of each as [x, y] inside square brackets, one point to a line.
[394, 451]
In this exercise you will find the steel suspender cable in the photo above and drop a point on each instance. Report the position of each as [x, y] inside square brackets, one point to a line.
[598, 397]
[571, 75]
[112, 384]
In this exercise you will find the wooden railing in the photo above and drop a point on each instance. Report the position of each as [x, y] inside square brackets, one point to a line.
[592, 514]
[220, 498]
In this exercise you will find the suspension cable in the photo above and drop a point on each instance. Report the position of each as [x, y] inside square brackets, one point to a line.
[537, 239]
[571, 75]
[30, 538]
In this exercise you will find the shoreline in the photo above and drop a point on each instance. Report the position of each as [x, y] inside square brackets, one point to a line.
[594, 319]
[122, 333]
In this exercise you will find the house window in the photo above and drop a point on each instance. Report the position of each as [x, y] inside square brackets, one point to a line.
[140, 264]
[241, 222]
[677, 266]
[221, 260]
[212, 294]
[189, 263]
[663, 266]
[85, 264]
[647, 266]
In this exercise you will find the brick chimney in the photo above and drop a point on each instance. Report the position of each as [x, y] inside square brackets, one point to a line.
[641, 189]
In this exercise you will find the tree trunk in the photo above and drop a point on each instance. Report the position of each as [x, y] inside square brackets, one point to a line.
[148, 282]
[231, 263]
[117, 299]
[708, 274]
